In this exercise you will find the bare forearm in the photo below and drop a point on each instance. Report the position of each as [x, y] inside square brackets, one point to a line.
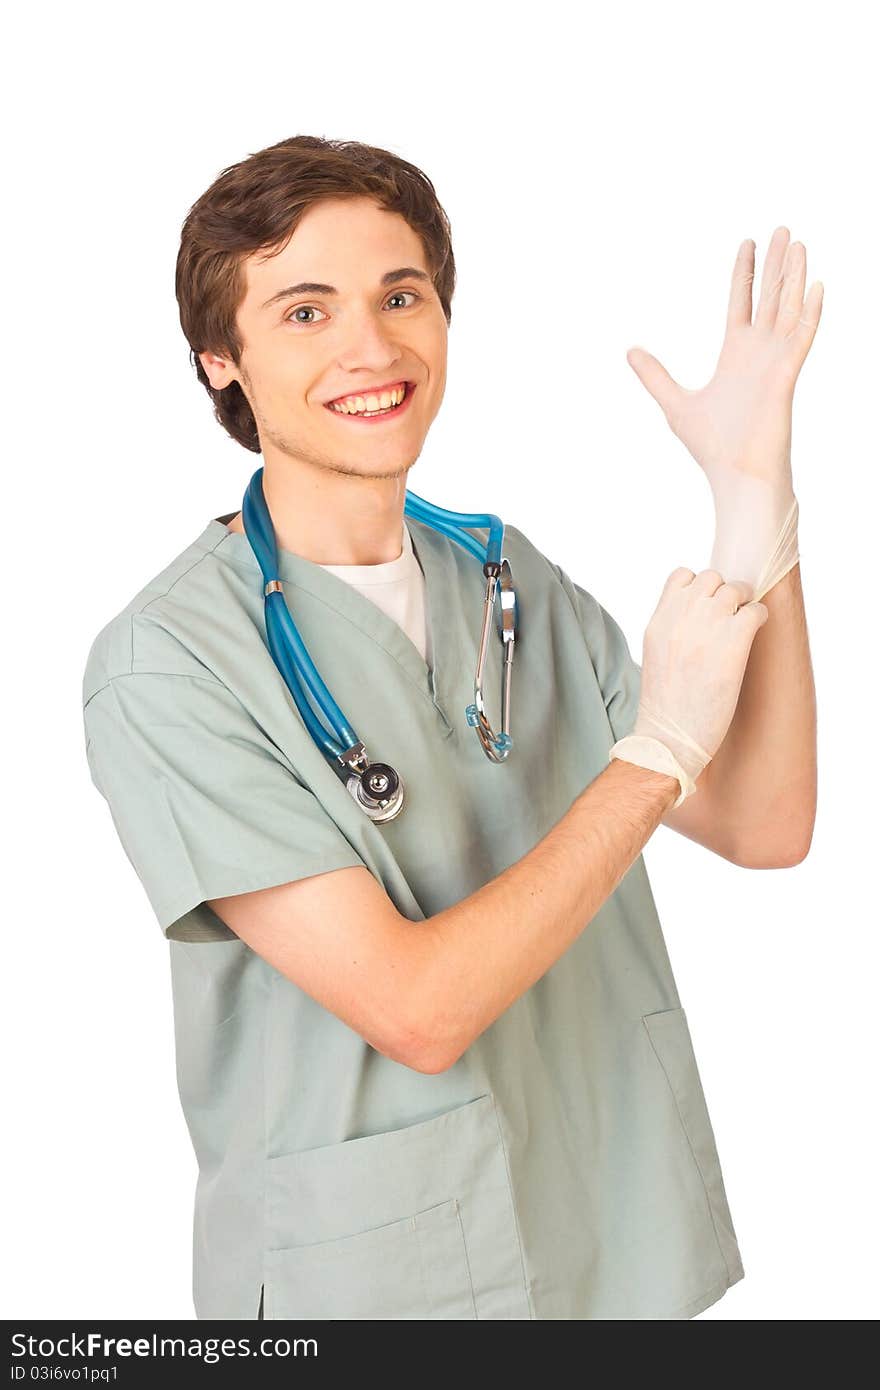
[487, 950]
[763, 777]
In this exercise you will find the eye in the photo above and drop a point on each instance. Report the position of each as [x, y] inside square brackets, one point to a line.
[303, 309]
[312, 309]
[399, 293]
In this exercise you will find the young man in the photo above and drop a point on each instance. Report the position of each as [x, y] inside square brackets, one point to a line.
[435, 1067]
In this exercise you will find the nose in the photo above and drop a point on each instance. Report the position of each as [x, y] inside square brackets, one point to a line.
[370, 343]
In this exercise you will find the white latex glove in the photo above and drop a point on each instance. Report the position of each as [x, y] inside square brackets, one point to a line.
[756, 531]
[695, 651]
[738, 426]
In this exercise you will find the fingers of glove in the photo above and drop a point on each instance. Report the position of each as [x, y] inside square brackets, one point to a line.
[755, 614]
[695, 651]
[683, 600]
[732, 596]
[677, 581]
[728, 595]
[681, 591]
[706, 583]
[683, 587]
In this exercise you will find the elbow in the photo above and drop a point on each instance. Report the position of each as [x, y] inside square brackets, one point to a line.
[424, 1047]
[425, 1054]
[801, 854]
[762, 858]
[425, 1059]
[789, 847]
[432, 1064]
[444, 1059]
[428, 1033]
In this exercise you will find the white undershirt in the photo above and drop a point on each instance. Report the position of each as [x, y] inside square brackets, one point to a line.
[398, 588]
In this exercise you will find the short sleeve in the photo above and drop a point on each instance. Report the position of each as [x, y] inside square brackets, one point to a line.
[618, 674]
[204, 805]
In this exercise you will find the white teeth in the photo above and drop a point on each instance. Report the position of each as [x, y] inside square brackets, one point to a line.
[371, 404]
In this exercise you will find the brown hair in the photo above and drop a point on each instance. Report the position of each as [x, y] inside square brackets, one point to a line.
[256, 205]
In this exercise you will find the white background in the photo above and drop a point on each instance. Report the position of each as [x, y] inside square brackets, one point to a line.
[600, 167]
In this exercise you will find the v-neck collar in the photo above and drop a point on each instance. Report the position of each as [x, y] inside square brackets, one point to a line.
[435, 554]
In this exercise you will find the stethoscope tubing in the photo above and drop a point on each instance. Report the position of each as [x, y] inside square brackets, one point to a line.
[450, 524]
[282, 633]
[285, 643]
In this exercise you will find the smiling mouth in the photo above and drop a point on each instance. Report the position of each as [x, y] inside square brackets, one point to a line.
[388, 412]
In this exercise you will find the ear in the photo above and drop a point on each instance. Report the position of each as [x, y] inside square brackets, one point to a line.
[218, 370]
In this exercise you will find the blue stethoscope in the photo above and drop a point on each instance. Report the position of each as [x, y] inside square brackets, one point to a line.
[376, 787]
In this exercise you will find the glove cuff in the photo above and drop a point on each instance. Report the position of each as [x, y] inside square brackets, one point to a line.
[650, 753]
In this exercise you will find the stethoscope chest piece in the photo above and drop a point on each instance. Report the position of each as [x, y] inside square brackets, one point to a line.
[378, 791]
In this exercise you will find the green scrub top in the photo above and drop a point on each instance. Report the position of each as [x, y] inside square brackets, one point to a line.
[565, 1166]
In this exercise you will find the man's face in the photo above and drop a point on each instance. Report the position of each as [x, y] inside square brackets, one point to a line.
[307, 347]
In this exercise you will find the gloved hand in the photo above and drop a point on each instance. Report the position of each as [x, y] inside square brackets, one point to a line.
[694, 657]
[738, 426]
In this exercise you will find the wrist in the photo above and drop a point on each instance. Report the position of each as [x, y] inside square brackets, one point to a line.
[665, 787]
[651, 754]
[756, 531]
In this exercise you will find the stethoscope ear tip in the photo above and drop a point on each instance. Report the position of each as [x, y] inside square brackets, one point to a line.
[495, 746]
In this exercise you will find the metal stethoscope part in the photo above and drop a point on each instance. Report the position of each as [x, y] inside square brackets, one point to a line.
[376, 787]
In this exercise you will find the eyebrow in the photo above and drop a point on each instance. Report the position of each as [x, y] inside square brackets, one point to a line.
[406, 272]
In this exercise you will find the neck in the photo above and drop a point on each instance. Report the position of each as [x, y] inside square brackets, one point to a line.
[334, 518]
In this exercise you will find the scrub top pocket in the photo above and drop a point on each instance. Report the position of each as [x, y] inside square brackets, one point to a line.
[413, 1268]
[416, 1222]
[671, 1040]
